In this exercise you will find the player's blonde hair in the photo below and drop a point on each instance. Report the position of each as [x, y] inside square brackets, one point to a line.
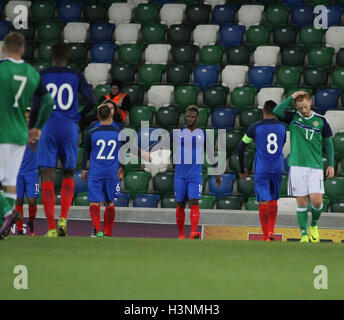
[192, 108]
[302, 97]
[14, 42]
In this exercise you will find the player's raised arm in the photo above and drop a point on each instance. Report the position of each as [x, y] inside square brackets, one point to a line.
[86, 91]
[279, 110]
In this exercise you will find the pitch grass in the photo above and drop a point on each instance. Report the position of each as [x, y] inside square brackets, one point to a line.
[159, 269]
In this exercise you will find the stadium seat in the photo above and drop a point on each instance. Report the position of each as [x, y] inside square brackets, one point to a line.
[266, 56]
[168, 202]
[214, 3]
[320, 57]
[122, 201]
[293, 56]
[257, 36]
[135, 92]
[163, 183]
[28, 54]
[136, 182]
[335, 119]
[284, 186]
[230, 203]
[77, 52]
[234, 165]
[153, 33]
[337, 206]
[205, 34]
[97, 73]
[103, 52]
[224, 189]
[287, 204]
[140, 113]
[231, 35]
[75, 32]
[79, 184]
[340, 58]
[243, 98]
[130, 53]
[123, 72]
[10, 14]
[150, 74]
[288, 77]
[197, 14]
[131, 163]
[172, 13]
[337, 78]
[223, 14]
[206, 76]
[315, 78]
[211, 55]
[234, 76]
[334, 37]
[29, 33]
[246, 186]
[276, 15]
[49, 31]
[185, 96]
[146, 13]
[261, 76]
[161, 160]
[233, 138]
[101, 32]
[203, 116]
[250, 15]
[238, 55]
[247, 117]
[326, 99]
[310, 37]
[251, 204]
[265, 94]
[334, 188]
[135, 3]
[160, 96]
[120, 13]
[167, 117]
[5, 27]
[184, 54]
[101, 90]
[95, 12]
[334, 14]
[338, 142]
[293, 3]
[150, 136]
[223, 118]
[157, 53]
[302, 16]
[81, 199]
[69, 11]
[1, 53]
[127, 33]
[178, 74]
[44, 51]
[42, 11]
[207, 202]
[146, 200]
[215, 97]
[39, 66]
[179, 34]
[285, 36]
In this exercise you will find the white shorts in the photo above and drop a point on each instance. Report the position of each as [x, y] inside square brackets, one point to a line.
[304, 181]
[11, 156]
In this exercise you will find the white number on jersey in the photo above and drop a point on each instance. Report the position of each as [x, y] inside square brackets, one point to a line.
[23, 81]
[54, 90]
[272, 141]
[309, 136]
[110, 156]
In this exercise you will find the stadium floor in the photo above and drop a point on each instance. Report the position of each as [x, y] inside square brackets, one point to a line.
[159, 269]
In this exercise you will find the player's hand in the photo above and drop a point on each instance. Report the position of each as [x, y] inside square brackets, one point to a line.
[298, 93]
[243, 175]
[33, 136]
[218, 180]
[329, 172]
[84, 175]
[120, 173]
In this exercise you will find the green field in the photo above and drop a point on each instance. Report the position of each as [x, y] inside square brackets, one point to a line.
[133, 268]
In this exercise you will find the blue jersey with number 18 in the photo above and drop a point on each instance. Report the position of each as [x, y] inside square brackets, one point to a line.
[269, 136]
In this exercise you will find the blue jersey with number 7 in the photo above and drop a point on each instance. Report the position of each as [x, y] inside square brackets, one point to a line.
[269, 136]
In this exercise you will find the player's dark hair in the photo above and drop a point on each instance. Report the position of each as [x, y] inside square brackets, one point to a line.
[14, 42]
[192, 108]
[59, 52]
[269, 106]
[103, 112]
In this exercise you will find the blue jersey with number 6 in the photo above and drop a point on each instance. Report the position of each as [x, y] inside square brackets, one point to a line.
[269, 136]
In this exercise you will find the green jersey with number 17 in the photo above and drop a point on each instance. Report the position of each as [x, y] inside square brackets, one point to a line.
[306, 139]
[19, 82]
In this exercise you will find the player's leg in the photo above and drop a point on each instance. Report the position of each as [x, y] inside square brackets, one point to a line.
[49, 198]
[275, 186]
[20, 202]
[180, 191]
[32, 194]
[95, 197]
[32, 202]
[194, 195]
[109, 214]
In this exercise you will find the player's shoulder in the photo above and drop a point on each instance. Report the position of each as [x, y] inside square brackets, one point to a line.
[57, 70]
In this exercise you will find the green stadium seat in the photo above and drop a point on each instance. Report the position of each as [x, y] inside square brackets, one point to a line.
[49, 31]
[284, 186]
[230, 203]
[29, 49]
[81, 199]
[101, 90]
[338, 142]
[276, 15]
[178, 74]
[185, 96]
[310, 37]
[334, 188]
[340, 58]
[211, 55]
[320, 57]
[28, 33]
[234, 162]
[239, 55]
[257, 36]
[130, 53]
[167, 117]
[146, 13]
[123, 72]
[153, 33]
[150, 74]
[163, 183]
[338, 78]
[207, 202]
[338, 206]
[77, 52]
[288, 77]
[203, 117]
[319, 2]
[243, 98]
[79, 160]
[39, 66]
[44, 50]
[197, 14]
[168, 201]
[58, 179]
[233, 138]
[95, 11]
[246, 186]
[215, 97]
[42, 11]
[184, 54]
[135, 92]
[136, 182]
[315, 78]
[247, 117]
[179, 34]
[293, 56]
[252, 204]
[133, 165]
[140, 113]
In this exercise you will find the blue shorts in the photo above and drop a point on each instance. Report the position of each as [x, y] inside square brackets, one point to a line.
[59, 139]
[101, 189]
[187, 188]
[117, 188]
[267, 186]
[28, 185]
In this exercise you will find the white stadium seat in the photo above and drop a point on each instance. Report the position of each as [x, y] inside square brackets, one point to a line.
[249, 15]
[172, 13]
[234, 76]
[161, 160]
[265, 94]
[97, 73]
[214, 3]
[75, 32]
[10, 6]
[135, 3]
[336, 120]
[157, 53]
[286, 147]
[334, 37]
[287, 204]
[1, 53]
[127, 33]
[120, 13]
[205, 34]
[160, 96]
[266, 55]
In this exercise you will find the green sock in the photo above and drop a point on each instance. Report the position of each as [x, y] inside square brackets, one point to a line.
[316, 212]
[302, 219]
[5, 206]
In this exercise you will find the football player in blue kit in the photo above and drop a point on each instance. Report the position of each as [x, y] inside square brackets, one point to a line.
[60, 135]
[269, 136]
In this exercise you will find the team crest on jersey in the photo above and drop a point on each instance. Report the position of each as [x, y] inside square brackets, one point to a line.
[315, 123]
